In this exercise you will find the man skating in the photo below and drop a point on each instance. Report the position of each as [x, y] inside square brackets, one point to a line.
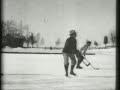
[69, 51]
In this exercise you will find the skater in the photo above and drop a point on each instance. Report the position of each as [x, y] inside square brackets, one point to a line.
[69, 51]
[82, 53]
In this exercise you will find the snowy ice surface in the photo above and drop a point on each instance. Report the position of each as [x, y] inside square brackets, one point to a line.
[46, 72]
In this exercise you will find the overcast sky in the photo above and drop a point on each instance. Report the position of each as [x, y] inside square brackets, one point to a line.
[92, 19]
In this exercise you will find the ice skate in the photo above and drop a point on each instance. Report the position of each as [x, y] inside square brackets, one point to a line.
[78, 67]
[66, 74]
[72, 73]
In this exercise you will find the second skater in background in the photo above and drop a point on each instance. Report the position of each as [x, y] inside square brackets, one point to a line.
[80, 54]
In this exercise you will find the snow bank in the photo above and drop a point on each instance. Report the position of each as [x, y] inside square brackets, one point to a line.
[32, 50]
[109, 51]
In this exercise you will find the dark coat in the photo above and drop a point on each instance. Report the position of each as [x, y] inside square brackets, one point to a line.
[70, 46]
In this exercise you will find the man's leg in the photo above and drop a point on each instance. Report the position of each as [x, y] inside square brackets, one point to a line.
[66, 64]
[80, 59]
[73, 62]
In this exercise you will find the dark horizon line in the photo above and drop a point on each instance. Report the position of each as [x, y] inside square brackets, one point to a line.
[39, 53]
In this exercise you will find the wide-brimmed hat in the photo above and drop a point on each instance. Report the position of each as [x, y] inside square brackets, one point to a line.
[72, 32]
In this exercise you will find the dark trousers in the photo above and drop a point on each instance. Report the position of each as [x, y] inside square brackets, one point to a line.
[66, 62]
[66, 58]
[79, 57]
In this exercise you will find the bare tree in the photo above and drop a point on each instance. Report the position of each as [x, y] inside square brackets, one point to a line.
[37, 39]
[27, 36]
[58, 42]
[42, 42]
[32, 39]
[113, 37]
[95, 43]
[105, 40]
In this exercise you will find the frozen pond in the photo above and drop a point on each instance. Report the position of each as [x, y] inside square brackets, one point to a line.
[46, 72]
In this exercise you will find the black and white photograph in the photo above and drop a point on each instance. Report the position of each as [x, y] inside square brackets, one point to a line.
[58, 45]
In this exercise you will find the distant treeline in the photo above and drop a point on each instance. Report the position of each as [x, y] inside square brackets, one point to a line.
[12, 41]
[12, 34]
[15, 34]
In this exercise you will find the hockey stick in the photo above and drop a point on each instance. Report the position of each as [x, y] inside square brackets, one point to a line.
[89, 64]
[86, 64]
